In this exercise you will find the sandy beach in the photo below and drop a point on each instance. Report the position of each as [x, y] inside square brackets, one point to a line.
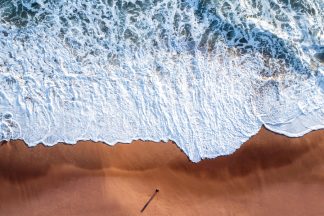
[269, 175]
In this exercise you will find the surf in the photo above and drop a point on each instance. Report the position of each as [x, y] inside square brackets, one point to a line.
[205, 74]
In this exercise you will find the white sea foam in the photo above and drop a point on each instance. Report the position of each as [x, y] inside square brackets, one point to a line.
[206, 75]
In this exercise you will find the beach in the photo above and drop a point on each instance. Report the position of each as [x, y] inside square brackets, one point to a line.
[170, 107]
[270, 174]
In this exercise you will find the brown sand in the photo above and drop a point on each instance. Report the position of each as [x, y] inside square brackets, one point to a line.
[269, 175]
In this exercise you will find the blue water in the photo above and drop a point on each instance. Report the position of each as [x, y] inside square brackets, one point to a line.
[205, 74]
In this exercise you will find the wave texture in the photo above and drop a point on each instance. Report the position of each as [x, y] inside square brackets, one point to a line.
[205, 74]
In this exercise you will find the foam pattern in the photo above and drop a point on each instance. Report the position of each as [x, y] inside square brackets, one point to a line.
[205, 74]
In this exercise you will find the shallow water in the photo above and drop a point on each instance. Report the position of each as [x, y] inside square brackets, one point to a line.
[205, 74]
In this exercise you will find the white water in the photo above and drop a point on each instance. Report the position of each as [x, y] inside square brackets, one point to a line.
[166, 70]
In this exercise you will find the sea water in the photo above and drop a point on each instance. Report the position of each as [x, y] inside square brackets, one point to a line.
[206, 74]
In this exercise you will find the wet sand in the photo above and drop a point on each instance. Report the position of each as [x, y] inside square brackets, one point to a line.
[269, 175]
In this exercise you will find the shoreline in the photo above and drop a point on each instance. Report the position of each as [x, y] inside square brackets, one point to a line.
[263, 127]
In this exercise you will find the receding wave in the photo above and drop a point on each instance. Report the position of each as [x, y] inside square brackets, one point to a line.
[206, 74]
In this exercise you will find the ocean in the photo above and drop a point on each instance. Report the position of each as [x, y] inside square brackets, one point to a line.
[206, 74]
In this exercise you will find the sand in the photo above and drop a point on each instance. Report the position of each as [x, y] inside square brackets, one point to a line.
[269, 175]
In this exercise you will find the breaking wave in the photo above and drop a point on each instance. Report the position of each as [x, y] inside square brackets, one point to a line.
[206, 74]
